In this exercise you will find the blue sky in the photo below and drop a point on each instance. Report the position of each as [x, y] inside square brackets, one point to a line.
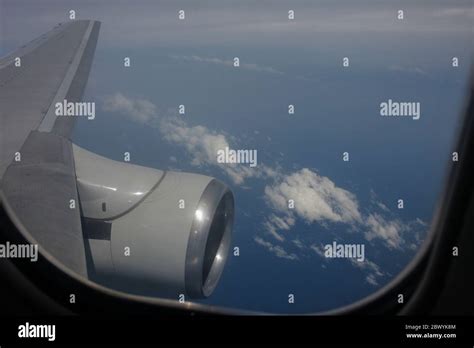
[300, 156]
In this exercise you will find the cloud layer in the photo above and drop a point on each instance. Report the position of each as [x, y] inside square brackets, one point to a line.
[229, 63]
[140, 110]
[315, 199]
[199, 142]
[276, 249]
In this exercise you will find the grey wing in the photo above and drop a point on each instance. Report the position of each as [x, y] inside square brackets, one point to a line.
[37, 172]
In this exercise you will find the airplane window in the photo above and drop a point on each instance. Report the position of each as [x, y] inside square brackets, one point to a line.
[270, 156]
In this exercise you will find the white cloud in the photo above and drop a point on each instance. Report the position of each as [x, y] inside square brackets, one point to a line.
[382, 206]
[276, 249]
[275, 223]
[201, 143]
[229, 63]
[421, 222]
[140, 110]
[368, 266]
[317, 198]
[298, 243]
[371, 280]
[388, 231]
[373, 270]
[318, 249]
[408, 69]
[459, 11]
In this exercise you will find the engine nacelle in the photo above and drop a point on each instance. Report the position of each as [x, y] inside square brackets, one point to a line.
[152, 232]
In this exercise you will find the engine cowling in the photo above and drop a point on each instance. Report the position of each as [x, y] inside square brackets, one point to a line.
[153, 232]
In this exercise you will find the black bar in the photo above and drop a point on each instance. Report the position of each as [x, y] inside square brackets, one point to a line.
[209, 329]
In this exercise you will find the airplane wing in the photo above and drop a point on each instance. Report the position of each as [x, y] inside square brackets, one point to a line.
[37, 170]
[112, 222]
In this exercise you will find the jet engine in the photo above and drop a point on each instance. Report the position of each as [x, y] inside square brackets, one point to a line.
[153, 232]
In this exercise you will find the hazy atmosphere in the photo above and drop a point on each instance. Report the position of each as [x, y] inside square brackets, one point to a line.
[307, 96]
